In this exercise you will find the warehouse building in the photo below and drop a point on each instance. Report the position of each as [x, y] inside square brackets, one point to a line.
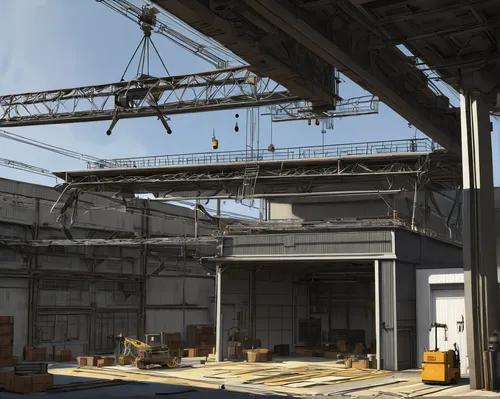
[344, 271]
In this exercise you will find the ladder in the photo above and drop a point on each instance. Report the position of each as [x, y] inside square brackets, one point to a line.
[247, 187]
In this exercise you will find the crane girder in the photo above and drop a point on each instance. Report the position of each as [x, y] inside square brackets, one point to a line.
[221, 89]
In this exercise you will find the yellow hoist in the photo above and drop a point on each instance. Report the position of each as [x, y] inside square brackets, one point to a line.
[215, 142]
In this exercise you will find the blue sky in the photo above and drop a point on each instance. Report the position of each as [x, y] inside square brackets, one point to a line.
[65, 43]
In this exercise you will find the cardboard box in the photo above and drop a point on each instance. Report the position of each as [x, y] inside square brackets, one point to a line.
[36, 354]
[7, 329]
[200, 334]
[360, 364]
[41, 382]
[5, 351]
[105, 361]
[62, 356]
[174, 340]
[2, 377]
[303, 351]
[6, 340]
[28, 383]
[7, 361]
[198, 352]
[330, 355]
[6, 320]
[318, 352]
[9, 382]
[22, 384]
[87, 360]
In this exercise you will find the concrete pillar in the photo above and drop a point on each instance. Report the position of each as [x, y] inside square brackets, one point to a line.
[219, 357]
[480, 273]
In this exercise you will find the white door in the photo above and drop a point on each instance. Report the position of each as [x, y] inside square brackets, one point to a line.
[449, 308]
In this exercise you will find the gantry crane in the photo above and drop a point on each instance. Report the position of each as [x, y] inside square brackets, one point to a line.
[221, 89]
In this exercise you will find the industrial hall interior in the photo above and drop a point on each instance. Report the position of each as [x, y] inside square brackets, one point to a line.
[325, 223]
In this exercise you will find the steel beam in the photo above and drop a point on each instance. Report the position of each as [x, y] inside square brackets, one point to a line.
[479, 245]
[349, 52]
[267, 51]
[208, 91]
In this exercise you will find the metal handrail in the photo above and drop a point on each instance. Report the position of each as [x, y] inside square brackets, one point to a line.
[281, 154]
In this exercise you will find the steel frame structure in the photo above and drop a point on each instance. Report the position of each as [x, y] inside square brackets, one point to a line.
[304, 110]
[9, 163]
[208, 91]
[223, 180]
[167, 241]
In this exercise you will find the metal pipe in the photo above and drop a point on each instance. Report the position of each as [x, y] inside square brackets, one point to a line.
[287, 195]
[281, 258]
[196, 218]
[414, 206]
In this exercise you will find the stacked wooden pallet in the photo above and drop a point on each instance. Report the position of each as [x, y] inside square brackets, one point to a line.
[6, 340]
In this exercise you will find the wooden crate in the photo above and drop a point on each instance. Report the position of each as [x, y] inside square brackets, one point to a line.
[28, 383]
[87, 360]
[361, 364]
[36, 354]
[198, 352]
[63, 356]
[105, 361]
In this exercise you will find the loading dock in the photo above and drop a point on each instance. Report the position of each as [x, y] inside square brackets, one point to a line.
[300, 282]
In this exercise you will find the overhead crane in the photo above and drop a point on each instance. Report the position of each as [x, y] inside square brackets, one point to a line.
[146, 96]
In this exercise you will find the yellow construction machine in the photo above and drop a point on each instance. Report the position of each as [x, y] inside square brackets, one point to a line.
[131, 351]
[441, 367]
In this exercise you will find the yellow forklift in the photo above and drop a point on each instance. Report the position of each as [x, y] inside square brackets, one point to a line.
[441, 367]
[132, 351]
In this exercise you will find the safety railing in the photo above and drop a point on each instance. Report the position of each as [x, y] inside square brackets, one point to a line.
[279, 154]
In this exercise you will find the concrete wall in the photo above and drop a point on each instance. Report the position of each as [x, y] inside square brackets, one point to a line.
[74, 297]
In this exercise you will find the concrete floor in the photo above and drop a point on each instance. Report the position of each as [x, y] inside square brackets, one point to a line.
[243, 380]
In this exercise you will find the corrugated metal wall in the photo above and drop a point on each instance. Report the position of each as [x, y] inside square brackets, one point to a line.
[345, 242]
[406, 314]
[54, 296]
[421, 250]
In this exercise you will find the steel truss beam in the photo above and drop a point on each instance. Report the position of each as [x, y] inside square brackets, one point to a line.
[173, 241]
[423, 168]
[208, 91]
[365, 105]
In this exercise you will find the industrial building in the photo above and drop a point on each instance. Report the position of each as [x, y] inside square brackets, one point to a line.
[352, 265]
[358, 248]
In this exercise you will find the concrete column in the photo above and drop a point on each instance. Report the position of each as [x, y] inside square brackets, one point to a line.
[218, 315]
[480, 273]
